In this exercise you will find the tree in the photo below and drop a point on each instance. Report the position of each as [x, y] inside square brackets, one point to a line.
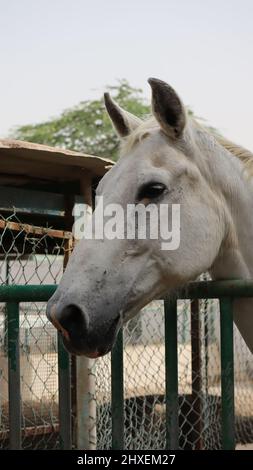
[86, 127]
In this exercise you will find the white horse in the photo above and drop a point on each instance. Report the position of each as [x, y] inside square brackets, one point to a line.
[166, 159]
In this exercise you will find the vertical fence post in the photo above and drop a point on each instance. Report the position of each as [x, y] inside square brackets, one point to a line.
[85, 386]
[85, 404]
[117, 389]
[171, 371]
[14, 375]
[64, 396]
[196, 373]
[227, 373]
[7, 282]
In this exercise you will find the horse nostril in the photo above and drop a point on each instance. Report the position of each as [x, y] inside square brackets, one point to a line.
[73, 320]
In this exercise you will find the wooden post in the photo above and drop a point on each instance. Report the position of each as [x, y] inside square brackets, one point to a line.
[85, 378]
[171, 374]
[227, 374]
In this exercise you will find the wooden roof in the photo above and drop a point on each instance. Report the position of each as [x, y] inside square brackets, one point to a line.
[23, 162]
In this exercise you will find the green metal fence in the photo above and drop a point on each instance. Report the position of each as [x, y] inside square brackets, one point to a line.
[225, 291]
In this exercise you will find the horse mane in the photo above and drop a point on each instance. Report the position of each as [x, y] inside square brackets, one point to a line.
[243, 154]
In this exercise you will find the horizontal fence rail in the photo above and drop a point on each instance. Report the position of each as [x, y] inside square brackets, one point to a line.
[217, 289]
[29, 293]
[194, 290]
[225, 291]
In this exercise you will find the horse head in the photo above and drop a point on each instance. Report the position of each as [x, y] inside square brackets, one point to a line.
[167, 160]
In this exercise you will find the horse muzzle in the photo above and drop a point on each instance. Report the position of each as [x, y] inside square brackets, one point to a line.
[81, 334]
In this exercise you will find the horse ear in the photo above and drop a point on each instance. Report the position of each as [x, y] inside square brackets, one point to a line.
[123, 121]
[167, 108]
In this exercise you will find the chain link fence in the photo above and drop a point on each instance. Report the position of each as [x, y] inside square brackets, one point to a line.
[31, 255]
[199, 389]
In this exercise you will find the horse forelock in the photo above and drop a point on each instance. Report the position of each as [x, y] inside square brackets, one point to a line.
[139, 134]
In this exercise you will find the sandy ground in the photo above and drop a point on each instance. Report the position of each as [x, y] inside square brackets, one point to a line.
[244, 447]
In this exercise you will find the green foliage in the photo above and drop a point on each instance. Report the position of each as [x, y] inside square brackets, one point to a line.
[86, 127]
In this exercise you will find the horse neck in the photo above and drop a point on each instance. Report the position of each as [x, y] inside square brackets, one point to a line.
[235, 259]
[225, 173]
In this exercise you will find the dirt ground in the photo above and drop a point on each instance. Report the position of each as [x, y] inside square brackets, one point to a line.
[244, 447]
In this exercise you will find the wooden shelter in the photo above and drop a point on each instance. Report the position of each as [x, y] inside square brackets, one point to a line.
[39, 186]
[43, 183]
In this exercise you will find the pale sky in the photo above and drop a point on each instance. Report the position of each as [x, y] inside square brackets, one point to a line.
[56, 53]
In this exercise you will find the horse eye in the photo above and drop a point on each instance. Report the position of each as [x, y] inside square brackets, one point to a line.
[151, 191]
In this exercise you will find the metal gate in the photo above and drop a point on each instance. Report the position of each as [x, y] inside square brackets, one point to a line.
[225, 291]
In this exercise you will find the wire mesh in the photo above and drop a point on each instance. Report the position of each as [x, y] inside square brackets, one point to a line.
[144, 382]
[30, 255]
